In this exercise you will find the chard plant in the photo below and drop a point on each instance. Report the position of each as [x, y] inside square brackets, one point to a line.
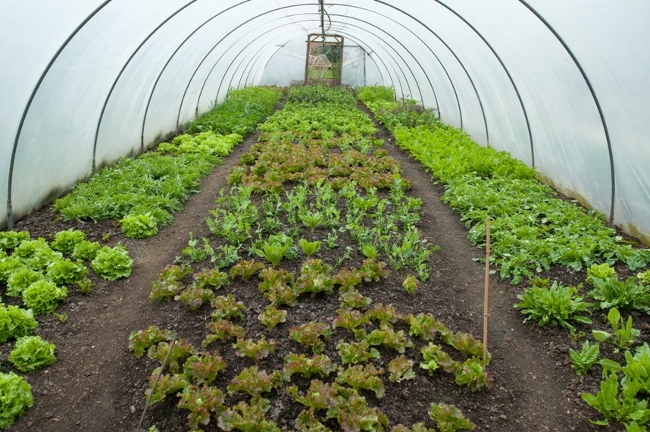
[583, 360]
[624, 334]
[311, 335]
[360, 377]
[556, 304]
[254, 350]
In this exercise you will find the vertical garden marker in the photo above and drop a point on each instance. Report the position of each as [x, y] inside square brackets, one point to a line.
[487, 288]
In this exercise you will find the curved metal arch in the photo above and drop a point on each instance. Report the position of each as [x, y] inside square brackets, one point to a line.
[276, 51]
[289, 16]
[462, 65]
[360, 28]
[601, 113]
[254, 58]
[221, 83]
[505, 69]
[144, 118]
[10, 214]
[119, 75]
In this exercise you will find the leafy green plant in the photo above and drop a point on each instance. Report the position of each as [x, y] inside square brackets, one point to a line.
[85, 250]
[356, 352]
[353, 413]
[434, 358]
[66, 241]
[311, 335]
[272, 316]
[226, 307]
[360, 377]
[168, 283]
[410, 284]
[401, 369]
[43, 296]
[472, 374]
[309, 248]
[557, 305]
[254, 350]
[389, 338]
[320, 395]
[161, 385]
[194, 296]
[174, 352]
[140, 341]
[275, 248]
[583, 360]
[600, 271]
[16, 322]
[210, 278]
[319, 364]
[312, 220]
[624, 334]
[630, 294]
[349, 319]
[203, 368]
[315, 277]
[426, 326]
[139, 225]
[11, 239]
[222, 330]
[352, 298]
[254, 381]
[32, 353]
[644, 277]
[16, 396]
[618, 401]
[245, 269]
[20, 279]
[65, 272]
[112, 263]
[201, 402]
[449, 418]
[248, 417]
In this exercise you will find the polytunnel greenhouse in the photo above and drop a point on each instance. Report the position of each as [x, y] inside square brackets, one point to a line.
[266, 215]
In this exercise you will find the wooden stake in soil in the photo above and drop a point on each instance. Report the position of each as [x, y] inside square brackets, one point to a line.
[487, 288]
[153, 389]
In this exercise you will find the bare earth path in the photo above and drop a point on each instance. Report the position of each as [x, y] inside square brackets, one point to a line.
[96, 384]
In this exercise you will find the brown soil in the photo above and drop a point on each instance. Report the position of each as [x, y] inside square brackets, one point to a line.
[97, 384]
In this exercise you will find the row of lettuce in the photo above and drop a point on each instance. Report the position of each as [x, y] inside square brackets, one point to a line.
[314, 214]
[37, 274]
[533, 230]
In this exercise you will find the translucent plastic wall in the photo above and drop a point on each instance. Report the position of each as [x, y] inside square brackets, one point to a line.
[561, 84]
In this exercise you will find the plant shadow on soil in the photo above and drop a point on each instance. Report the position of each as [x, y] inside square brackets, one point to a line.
[97, 383]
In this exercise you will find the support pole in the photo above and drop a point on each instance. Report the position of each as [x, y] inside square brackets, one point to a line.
[487, 289]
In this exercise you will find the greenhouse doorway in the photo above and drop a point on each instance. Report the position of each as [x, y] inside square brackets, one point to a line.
[324, 59]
